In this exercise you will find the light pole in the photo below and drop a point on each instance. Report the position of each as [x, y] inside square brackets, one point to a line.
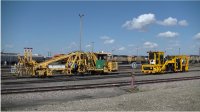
[137, 51]
[81, 16]
[179, 50]
[112, 53]
[199, 51]
[92, 46]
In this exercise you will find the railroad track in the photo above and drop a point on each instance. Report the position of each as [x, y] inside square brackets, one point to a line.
[122, 70]
[12, 77]
[8, 76]
[63, 78]
[90, 86]
[66, 78]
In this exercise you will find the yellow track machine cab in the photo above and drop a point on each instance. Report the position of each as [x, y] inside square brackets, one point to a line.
[105, 63]
[90, 62]
[160, 64]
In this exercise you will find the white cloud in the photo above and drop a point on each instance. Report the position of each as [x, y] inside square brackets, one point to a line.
[88, 46]
[140, 22]
[168, 22]
[183, 23]
[176, 44]
[73, 43]
[150, 45]
[107, 40]
[73, 46]
[168, 34]
[197, 36]
[121, 48]
[169, 48]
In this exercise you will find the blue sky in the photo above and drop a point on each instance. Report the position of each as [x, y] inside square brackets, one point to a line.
[118, 27]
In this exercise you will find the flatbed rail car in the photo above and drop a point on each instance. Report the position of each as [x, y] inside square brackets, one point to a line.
[160, 64]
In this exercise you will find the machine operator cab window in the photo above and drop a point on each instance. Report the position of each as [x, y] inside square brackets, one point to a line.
[101, 62]
[162, 59]
[102, 57]
[151, 58]
[156, 58]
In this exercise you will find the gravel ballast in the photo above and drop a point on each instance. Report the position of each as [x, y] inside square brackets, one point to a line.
[174, 96]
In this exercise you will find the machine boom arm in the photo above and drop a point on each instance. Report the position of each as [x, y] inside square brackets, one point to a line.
[52, 60]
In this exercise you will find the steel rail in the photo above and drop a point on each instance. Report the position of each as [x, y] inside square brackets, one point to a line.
[58, 75]
[62, 78]
[90, 86]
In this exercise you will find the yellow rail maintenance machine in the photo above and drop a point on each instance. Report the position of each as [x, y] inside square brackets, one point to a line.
[160, 64]
[74, 62]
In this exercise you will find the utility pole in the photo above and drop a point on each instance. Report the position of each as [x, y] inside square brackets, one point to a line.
[92, 46]
[137, 51]
[112, 53]
[81, 16]
[199, 51]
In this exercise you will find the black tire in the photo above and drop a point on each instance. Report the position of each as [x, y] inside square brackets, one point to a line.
[183, 69]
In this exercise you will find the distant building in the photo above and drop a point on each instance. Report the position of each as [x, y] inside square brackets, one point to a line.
[12, 58]
[194, 59]
[8, 58]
